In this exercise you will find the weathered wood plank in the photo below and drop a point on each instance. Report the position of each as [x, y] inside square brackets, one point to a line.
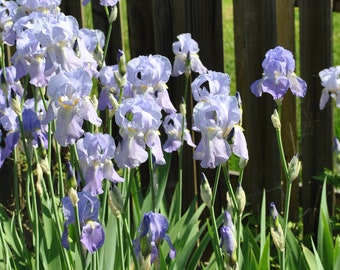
[286, 38]
[255, 33]
[317, 131]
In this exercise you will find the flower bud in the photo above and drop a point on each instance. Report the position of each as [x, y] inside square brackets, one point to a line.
[121, 62]
[276, 120]
[115, 201]
[276, 229]
[230, 204]
[72, 193]
[183, 108]
[240, 198]
[294, 167]
[113, 14]
[278, 237]
[206, 193]
[70, 176]
[16, 105]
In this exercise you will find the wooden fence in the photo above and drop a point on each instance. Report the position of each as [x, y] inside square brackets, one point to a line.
[259, 25]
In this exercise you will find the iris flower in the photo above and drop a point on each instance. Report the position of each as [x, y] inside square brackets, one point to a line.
[210, 84]
[279, 76]
[172, 125]
[148, 76]
[217, 119]
[331, 82]
[70, 104]
[139, 119]
[92, 233]
[152, 231]
[95, 152]
[186, 56]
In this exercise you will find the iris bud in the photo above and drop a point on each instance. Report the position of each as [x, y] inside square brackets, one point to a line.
[206, 193]
[276, 120]
[294, 167]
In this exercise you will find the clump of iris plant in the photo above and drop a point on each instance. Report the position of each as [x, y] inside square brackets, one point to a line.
[279, 76]
[92, 233]
[151, 232]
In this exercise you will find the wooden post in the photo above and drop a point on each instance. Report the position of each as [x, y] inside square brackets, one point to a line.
[286, 38]
[317, 131]
[255, 33]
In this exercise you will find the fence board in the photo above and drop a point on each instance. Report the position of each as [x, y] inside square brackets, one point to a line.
[316, 54]
[286, 38]
[254, 26]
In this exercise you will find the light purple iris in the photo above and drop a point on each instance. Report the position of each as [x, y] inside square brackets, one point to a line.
[49, 43]
[279, 76]
[331, 82]
[227, 231]
[110, 90]
[139, 119]
[8, 12]
[92, 233]
[217, 119]
[70, 104]
[172, 125]
[39, 4]
[95, 152]
[152, 231]
[105, 3]
[210, 84]
[148, 76]
[186, 56]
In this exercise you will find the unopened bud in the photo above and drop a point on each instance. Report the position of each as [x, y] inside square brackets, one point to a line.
[276, 229]
[72, 193]
[116, 202]
[113, 14]
[278, 237]
[230, 204]
[119, 79]
[206, 193]
[16, 106]
[240, 198]
[121, 62]
[183, 108]
[276, 120]
[294, 168]
[70, 176]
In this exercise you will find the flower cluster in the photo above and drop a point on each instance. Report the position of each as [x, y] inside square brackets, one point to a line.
[61, 61]
[217, 116]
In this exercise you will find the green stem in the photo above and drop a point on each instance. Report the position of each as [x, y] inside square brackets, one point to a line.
[151, 180]
[230, 188]
[127, 233]
[213, 218]
[121, 241]
[108, 35]
[16, 194]
[78, 233]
